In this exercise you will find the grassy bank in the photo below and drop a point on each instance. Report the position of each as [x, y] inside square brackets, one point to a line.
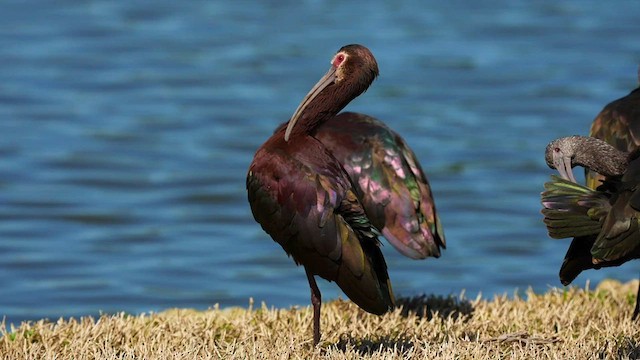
[576, 323]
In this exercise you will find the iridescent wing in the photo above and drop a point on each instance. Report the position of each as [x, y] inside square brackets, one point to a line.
[389, 181]
[573, 210]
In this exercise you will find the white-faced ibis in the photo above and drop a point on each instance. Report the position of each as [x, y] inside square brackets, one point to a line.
[389, 181]
[619, 125]
[301, 195]
[603, 222]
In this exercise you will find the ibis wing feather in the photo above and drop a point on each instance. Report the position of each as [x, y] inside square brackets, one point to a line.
[620, 235]
[579, 258]
[392, 187]
[572, 210]
[619, 125]
[363, 272]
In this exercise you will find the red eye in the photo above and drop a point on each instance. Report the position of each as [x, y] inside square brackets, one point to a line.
[556, 149]
[338, 60]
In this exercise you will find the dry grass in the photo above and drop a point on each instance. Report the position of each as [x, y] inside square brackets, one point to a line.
[572, 324]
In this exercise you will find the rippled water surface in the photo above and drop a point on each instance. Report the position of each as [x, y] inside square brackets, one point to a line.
[127, 129]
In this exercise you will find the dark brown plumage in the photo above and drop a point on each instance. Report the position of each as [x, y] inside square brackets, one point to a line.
[301, 195]
[619, 125]
[603, 222]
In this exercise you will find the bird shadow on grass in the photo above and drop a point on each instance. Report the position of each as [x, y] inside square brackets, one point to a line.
[435, 305]
[367, 347]
[625, 348]
[422, 306]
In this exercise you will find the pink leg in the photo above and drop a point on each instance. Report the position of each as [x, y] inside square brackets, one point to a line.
[637, 309]
[316, 301]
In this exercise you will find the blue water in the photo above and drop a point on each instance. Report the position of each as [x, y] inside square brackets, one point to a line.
[126, 130]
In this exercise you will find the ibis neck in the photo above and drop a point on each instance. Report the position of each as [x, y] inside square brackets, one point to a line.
[325, 106]
[601, 157]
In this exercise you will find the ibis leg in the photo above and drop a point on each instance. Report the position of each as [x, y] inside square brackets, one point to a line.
[637, 309]
[316, 301]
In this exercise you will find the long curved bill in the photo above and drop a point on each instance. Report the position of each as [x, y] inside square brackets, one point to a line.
[563, 165]
[328, 79]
